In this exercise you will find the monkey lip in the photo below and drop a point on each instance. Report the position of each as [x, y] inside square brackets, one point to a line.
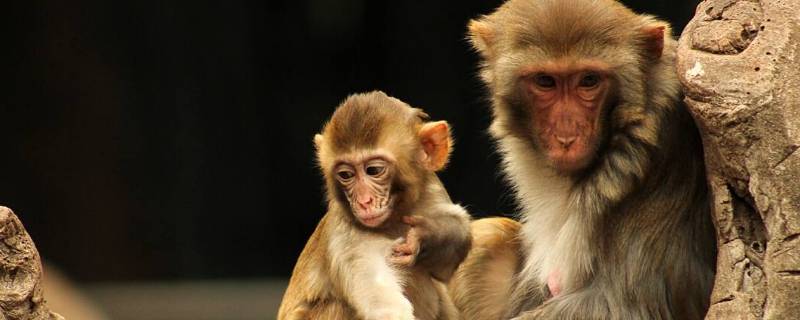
[372, 218]
[568, 159]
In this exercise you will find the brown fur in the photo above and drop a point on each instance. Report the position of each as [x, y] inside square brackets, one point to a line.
[629, 235]
[496, 247]
[395, 270]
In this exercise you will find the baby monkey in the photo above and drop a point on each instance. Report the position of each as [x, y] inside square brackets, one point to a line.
[391, 237]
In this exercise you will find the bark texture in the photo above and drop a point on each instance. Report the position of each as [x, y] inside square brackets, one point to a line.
[21, 296]
[739, 62]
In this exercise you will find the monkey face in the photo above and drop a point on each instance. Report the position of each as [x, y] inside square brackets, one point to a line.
[376, 154]
[366, 184]
[566, 102]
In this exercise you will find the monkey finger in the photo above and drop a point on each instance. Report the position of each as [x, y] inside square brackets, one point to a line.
[403, 260]
[399, 241]
[403, 249]
[413, 220]
[413, 239]
[412, 234]
[415, 236]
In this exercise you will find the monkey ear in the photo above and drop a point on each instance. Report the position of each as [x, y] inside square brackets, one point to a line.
[654, 41]
[436, 144]
[318, 141]
[482, 36]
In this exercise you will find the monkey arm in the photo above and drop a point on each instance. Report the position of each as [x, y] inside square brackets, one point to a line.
[482, 284]
[598, 302]
[579, 305]
[528, 293]
[446, 242]
[309, 282]
[361, 273]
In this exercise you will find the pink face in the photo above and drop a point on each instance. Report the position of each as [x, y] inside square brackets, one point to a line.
[566, 103]
[367, 182]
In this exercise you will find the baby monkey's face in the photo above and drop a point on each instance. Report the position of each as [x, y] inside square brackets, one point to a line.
[377, 154]
[366, 182]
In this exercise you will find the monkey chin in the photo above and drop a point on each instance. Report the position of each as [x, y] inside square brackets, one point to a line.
[567, 161]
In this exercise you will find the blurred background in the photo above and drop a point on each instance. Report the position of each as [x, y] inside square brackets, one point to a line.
[160, 154]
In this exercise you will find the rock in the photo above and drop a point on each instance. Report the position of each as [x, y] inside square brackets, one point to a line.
[21, 296]
[739, 62]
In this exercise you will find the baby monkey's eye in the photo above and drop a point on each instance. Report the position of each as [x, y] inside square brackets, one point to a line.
[589, 80]
[344, 175]
[375, 170]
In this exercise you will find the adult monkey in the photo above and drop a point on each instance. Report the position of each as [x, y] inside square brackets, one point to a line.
[606, 164]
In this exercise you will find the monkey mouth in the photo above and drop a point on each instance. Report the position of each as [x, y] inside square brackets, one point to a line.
[373, 218]
[570, 158]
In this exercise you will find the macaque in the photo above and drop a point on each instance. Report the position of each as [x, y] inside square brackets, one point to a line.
[392, 237]
[605, 162]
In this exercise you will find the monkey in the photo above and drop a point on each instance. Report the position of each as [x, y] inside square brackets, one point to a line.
[606, 165]
[392, 237]
[481, 286]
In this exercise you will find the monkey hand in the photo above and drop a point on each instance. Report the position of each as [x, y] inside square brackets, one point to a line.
[406, 250]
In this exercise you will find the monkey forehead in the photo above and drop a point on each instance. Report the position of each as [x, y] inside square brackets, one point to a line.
[566, 66]
[365, 120]
[568, 27]
[359, 156]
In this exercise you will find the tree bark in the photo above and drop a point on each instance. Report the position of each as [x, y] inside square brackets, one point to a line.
[739, 63]
[21, 296]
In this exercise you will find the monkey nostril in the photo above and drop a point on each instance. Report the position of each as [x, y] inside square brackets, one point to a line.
[566, 141]
[365, 201]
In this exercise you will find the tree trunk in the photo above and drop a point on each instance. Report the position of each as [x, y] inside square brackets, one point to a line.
[739, 62]
[21, 296]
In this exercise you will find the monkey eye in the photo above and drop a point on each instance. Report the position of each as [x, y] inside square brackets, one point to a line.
[375, 170]
[544, 81]
[589, 80]
[344, 174]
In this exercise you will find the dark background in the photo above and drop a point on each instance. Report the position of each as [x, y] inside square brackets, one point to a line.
[170, 140]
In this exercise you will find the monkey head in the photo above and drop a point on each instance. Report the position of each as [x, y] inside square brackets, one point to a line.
[567, 76]
[376, 152]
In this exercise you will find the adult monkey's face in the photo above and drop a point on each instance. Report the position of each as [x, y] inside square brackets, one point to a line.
[565, 101]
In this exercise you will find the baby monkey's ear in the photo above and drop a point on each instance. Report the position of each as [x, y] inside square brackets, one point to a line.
[436, 144]
[318, 141]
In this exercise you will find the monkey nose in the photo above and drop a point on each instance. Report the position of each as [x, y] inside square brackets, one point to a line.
[566, 141]
[364, 202]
